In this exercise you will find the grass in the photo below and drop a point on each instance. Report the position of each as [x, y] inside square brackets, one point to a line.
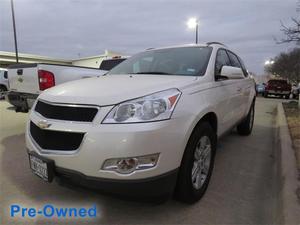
[292, 113]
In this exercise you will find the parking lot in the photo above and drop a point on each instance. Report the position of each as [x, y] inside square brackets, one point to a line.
[243, 189]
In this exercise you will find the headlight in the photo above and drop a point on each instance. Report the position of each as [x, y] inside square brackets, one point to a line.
[154, 107]
[128, 165]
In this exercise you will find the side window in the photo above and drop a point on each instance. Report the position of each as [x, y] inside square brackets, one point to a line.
[234, 60]
[5, 74]
[221, 60]
[243, 67]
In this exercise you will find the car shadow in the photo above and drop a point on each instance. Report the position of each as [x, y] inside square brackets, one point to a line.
[11, 108]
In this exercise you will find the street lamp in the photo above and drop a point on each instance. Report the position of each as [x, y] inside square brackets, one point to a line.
[269, 62]
[193, 23]
[14, 27]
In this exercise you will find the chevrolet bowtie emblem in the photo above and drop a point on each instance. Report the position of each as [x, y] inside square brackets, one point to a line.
[43, 124]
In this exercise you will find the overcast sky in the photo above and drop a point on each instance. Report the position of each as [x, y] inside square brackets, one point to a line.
[67, 28]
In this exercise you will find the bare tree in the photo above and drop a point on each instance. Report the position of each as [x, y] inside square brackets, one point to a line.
[286, 65]
[292, 33]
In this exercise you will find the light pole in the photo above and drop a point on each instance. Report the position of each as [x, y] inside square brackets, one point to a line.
[193, 23]
[14, 27]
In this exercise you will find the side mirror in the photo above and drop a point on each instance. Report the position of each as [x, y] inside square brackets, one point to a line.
[232, 72]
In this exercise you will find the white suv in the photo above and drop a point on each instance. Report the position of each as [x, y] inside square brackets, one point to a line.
[150, 126]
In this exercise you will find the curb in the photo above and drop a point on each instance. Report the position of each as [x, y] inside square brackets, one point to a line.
[288, 171]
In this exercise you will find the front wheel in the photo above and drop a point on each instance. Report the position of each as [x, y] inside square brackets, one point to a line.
[245, 127]
[197, 164]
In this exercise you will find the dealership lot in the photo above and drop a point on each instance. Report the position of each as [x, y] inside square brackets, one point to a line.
[243, 188]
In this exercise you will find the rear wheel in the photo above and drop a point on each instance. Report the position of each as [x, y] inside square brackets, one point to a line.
[2, 91]
[197, 164]
[245, 127]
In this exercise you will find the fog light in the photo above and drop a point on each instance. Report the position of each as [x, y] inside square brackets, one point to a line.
[128, 165]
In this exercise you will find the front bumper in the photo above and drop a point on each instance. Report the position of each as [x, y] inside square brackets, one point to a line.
[162, 185]
[278, 92]
[107, 141]
[22, 101]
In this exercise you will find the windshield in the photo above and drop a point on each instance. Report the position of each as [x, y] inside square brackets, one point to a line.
[185, 61]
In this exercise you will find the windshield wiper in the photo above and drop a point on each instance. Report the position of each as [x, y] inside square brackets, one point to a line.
[152, 72]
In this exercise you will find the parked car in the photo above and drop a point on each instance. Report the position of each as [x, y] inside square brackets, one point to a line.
[295, 91]
[149, 127]
[277, 87]
[3, 82]
[260, 88]
[27, 81]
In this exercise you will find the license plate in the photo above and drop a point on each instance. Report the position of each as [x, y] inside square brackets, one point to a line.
[44, 168]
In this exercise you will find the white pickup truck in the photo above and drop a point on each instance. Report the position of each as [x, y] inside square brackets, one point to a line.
[27, 81]
[148, 127]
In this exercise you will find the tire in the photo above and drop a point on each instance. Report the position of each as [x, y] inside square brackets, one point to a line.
[245, 127]
[2, 90]
[191, 190]
[265, 94]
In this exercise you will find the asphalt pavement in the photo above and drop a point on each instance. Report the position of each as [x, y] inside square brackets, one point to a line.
[243, 189]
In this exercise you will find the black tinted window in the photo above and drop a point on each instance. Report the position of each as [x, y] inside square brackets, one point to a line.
[234, 60]
[221, 60]
[186, 61]
[5, 74]
[110, 63]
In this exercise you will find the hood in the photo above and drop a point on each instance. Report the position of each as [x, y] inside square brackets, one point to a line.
[113, 89]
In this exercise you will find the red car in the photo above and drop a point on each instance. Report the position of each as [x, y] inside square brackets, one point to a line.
[278, 87]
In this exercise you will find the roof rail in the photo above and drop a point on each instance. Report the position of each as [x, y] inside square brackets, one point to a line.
[215, 42]
[149, 49]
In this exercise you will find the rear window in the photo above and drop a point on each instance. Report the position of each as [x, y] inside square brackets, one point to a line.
[108, 64]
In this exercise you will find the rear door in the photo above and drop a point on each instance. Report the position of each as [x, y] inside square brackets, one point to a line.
[24, 78]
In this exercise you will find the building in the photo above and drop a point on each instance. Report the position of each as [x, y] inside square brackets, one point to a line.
[8, 58]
